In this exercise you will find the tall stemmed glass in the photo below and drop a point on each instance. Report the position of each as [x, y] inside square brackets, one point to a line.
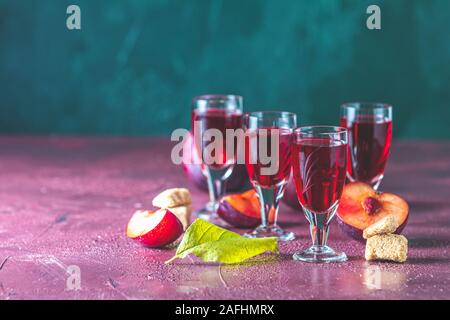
[370, 133]
[212, 115]
[319, 160]
[268, 140]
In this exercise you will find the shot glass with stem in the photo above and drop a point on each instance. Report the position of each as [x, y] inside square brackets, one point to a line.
[369, 128]
[268, 140]
[212, 115]
[319, 160]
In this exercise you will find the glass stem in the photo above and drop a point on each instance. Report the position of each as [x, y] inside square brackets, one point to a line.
[216, 186]
[269, 199]
[319, 225]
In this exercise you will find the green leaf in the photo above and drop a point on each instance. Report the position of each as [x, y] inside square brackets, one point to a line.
[214, 244]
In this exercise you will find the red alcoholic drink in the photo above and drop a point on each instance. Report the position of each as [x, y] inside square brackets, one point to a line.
[369, 128]
[369, 143]
[211, 116]
[268, 140]
[219, 119]
[319, 167]
[282, 156]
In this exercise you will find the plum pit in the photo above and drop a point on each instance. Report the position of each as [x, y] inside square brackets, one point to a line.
[371, 205]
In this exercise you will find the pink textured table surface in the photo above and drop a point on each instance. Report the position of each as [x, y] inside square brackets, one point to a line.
[66, 201]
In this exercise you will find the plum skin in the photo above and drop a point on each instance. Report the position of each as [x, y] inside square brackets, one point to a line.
[167, 231]
[235, 218]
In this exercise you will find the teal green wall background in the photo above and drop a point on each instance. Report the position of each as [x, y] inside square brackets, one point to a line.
[135, 65]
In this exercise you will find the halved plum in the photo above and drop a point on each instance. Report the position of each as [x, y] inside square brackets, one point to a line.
[154, 229]
[241, 210]
[361, 206]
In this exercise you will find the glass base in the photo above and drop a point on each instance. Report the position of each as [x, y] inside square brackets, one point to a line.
[271, 231]
[320, 254]
[211, 216]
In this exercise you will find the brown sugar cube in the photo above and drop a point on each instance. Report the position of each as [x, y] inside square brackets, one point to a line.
[183, 213]
[174, 197]
[385, 225]
[390, 247]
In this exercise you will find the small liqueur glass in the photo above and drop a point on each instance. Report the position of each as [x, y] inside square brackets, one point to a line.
[268, 139]
[319, 160]
[369, 128]
[215, 114]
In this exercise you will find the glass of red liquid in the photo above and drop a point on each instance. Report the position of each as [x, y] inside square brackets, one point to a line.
[212, 116]
[369, 142]
[268, 139]
[319, 162]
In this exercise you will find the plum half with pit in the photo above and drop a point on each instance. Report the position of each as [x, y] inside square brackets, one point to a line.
[362, 206]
